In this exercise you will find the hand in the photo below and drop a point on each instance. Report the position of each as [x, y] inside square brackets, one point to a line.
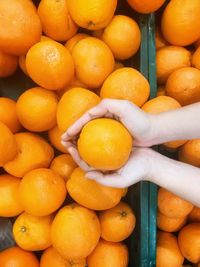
[131, 116]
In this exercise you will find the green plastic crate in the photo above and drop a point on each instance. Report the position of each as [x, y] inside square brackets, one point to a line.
[142, 196]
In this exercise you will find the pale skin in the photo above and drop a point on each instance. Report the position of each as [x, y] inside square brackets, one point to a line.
[145, 164]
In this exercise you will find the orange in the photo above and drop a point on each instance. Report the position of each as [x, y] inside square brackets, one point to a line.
[74, 83]
[8, 145]
[161, 91]
[162, 104]
[50, 65]
[117, 223]
[32, 233]
[92, 14]
[105, 144]
[22, 64]
[169, 59]
[63, 165]
[41, 192]
[36, 109]
[34, 152]
[184, 85]
[189, 153]
[18, 33]
[168, 253]
[17, 257]
[180, 22]
[196, 58]
[197, 43]
[160, 41]
[194, 215]
[189, 242]
[8, 114]
[70, 44]
[125, 192]
[55, 139]
[123, 37]
[55, 19]
[51, 258]
[128, 84]
[8, 64]
[94, 67]
[146, 6]
[109, 254]
[75, 232]
[91, 194]
[45, 38]
[173, 206]
[118, 65]
[9, 205]
[73, 104]
[168, 224]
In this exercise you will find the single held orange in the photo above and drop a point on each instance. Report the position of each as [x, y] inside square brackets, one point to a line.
[173, 206]
[162, 104]
[73, 104]
[128, 84]
[70, 44]
[161, 90]
[50, 65]
[34, 152]
[8, 64]
[123, 36]
[184, 85]
[10, 205]
[55, 19]
[36, 109]
[63, 165]
[92, 14]
[32, 233]
[180, 22]
[105, 144]
[51, 258]
[168, 224]
[169, 59]
[196, 58]
[160, 41]
[194, 215]
[41, 192]
[18, 33]
[145, 6]
[8, 114]
[117, 223]
[109, 254]
[75, 232]
[91, 194]
[8, 145]
[189, 153]
[55, 139]
[94, 67]
[17, 257]
[189, 242]
[168, 253]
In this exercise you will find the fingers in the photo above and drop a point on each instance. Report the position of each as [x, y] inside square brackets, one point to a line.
[110, 180]
[76, 157]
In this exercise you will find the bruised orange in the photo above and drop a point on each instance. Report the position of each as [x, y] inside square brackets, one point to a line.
[36, 109]
[44, 187]
[75, 232]
[32, 233]
[10, 205]
[91, 194]
[73, 104]
[50, 65]
[34, 152]
[105, 144]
